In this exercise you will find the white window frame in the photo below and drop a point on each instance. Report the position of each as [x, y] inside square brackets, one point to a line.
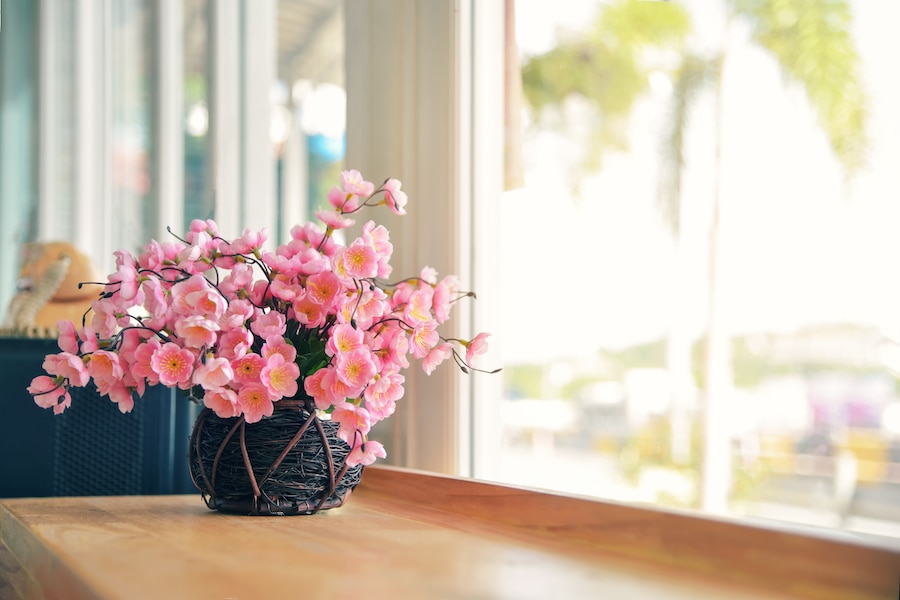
[421, 108]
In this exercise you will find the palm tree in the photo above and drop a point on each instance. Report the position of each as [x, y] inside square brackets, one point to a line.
[812, 43]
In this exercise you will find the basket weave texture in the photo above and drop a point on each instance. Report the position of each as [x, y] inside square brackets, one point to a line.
[288, 464]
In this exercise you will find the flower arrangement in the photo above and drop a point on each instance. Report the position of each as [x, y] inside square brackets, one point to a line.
[242, 328]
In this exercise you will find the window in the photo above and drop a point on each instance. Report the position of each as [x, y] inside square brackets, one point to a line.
[708, 324]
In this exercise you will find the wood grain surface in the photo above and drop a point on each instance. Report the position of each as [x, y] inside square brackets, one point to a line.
[413, 535]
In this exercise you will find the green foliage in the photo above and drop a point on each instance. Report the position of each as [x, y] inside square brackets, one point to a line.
[608, 66]
[812, 41]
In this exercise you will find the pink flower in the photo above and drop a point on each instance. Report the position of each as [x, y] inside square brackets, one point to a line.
[248, 367]
[323, 288]
[127, 278]
[197, 331]
[342, 201]
[68, 366]
[141, 365]
[307, 312]
[105, 369]
[172, 364]
[353, 419]
[333, 219]
[213, 373]
[280, 377]
[366, 453]
[223, 402]
[269, 325]
[50, 393]
[88, 340]
[155, 303]
[68, 339]
[478, 345]
[319, 385]
[238, 312]
[442, 300]
[382, 395]
[122, 396]
[418, 307]
[356, 367]
[278, 345]
[424, 338]
[255, 402]
[105, 318]
[437, 355]
[358, 261]
[235, 343]
[394, 198]
[353, 183]
[344, 338]
[195, 295]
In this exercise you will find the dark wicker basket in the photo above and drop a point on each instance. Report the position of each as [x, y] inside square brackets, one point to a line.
[291, 463]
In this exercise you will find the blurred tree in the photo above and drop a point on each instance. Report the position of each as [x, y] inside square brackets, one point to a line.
[610, 68]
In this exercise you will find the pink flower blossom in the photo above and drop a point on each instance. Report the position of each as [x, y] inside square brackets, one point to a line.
[436, 356]
[442, 299]
[382, 395]
[278, 345]
[394, 197]
[418, 307]
[88, 340]
[223, 402]
[358, 261]
[248, 367]
[323, 288]
[213, 373]
[269, 325]
[353, 183]
[141, 364]
[68, 339]
[105, 318]
[172, 364]
[423, 339]
[319, 387]
[49, 392]
[68, 366]
[196, 331]
[333, 219]
[344, 338]
[238, 312]
[477, 346]
[353, 419]
[342, 201]
[356, 367]
[235, 343]
[366, 453]
[307, 312]
[280, 377]
[122, 396]
[104, 369]
[255, 402]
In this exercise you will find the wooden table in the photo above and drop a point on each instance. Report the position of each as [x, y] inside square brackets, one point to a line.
[406, 535]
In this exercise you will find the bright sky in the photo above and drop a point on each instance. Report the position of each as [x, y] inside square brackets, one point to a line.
[799, 245]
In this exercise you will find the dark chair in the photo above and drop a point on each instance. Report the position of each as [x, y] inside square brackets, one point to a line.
[92, 448]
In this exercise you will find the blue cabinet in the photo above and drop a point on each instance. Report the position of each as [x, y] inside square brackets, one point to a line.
[92, 448]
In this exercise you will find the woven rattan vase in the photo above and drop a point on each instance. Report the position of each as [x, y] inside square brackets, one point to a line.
[291, 463]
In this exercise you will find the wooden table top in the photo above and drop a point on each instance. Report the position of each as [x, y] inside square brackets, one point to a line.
[405, 535]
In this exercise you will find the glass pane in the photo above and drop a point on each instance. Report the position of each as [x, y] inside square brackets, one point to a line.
[197, 204]
[707, 226]
[130, 89]
[309, 106]
[18, 148]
